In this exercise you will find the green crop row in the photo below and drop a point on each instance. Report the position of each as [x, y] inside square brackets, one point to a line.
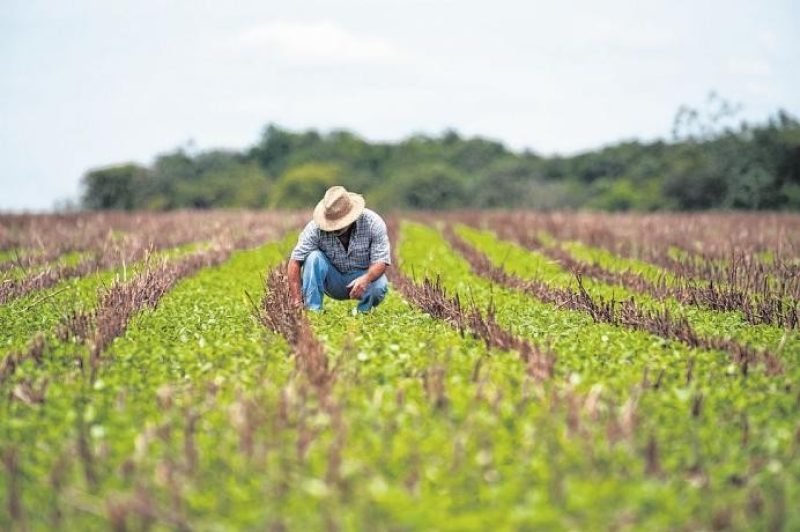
[107, 440]
[651, 272]
[198, 418]
[722, 439]
[441, 432]
[532, 264]
[43, 310]
[72, 258]
[607, 259]
[16, 253]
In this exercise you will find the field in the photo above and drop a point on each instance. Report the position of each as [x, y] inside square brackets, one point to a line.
[526, 371]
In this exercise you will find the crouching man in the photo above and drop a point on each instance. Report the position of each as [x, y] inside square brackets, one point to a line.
[343, 252]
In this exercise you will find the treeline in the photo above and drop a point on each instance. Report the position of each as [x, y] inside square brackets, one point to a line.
[704, 166]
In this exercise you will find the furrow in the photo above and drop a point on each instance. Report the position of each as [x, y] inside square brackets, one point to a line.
[107, 319]
[758, 306]
[627, 313]
[108, 253]
[707, 323]
[278, 313]
[675, 391]
[727, 251]
[431, 297]
[179, 385]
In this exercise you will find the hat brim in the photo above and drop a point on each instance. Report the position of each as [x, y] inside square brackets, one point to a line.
[333, 225]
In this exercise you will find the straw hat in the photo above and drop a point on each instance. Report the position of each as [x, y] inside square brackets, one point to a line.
[339, 208]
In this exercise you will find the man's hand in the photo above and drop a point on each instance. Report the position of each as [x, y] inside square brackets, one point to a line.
[358, 286]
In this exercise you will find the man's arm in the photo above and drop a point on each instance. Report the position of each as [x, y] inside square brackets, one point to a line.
[359, 285]
[295, 285]
[380, 257]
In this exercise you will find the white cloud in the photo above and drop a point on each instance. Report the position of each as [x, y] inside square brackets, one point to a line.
[749, 67]
[761, 90]
[768, 40]
[317, 41]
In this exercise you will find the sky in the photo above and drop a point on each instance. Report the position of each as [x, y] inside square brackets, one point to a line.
[87, 83]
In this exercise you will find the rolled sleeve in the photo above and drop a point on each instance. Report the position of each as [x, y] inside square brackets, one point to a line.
[379, 250]
[307, 242]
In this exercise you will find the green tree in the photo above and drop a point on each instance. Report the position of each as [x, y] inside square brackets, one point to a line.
[112, 187]
[712, 162]
[508, 182]
[433, 186]
[277, 145]
[303, 186]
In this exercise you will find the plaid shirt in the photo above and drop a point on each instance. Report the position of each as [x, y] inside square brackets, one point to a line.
[369, 243]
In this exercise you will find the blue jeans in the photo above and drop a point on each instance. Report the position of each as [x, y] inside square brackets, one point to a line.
[321, 277]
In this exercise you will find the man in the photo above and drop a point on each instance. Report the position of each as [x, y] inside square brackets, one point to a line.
[343, 252]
